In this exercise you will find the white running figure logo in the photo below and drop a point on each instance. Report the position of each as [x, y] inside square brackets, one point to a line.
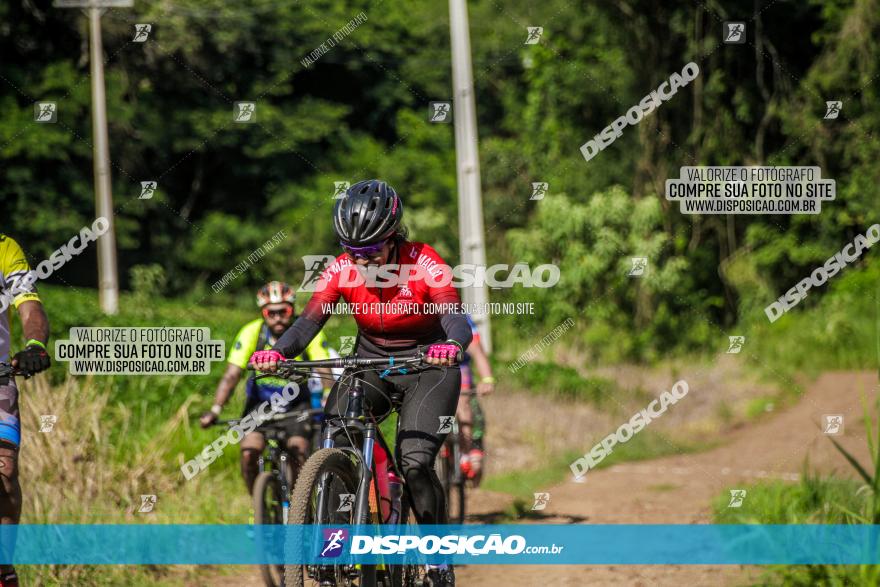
[334, 543]
[736, 344]
[832, 109]
[833, 423]
[736, 498]
[734, 32]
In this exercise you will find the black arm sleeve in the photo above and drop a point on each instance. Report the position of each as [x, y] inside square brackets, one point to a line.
[457, 328]
[296, 338]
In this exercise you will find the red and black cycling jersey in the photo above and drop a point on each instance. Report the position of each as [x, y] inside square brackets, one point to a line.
[392, 318]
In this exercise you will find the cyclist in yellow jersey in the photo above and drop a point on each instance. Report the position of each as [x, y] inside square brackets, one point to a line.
[276, 301]
[16, 290]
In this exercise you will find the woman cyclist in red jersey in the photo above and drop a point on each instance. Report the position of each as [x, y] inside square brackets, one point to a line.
[391, 322]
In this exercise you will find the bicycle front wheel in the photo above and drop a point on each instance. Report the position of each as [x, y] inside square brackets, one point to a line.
[326, 477]
[268, 510]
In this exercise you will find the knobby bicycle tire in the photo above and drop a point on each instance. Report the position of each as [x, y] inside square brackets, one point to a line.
[327, 460]
[264, 486]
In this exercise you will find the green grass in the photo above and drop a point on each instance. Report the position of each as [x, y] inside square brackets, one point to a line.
[759, 406]
[144, 403]
[524, 482]
[663, 487]
[835, 327]
[129, 435]
[560, 382]
[643, 446]
[813, 500]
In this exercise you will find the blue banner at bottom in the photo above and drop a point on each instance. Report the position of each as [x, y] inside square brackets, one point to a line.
[526, 544]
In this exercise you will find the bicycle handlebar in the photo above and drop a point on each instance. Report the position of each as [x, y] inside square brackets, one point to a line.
[346, 362]
[6, 370]
[273, 418]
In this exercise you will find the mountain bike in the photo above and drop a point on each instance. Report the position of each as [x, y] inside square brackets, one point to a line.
[272, 485]
[357, 484]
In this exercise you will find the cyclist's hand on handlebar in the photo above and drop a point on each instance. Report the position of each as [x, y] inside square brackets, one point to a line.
[207, 419]
[444, 354]
[32, 359]
[266, 360]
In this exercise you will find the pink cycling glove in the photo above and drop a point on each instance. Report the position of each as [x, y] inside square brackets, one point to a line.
[446, 350]
[264, 356]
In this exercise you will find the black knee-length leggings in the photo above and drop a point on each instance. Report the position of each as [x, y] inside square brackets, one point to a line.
[428, 395]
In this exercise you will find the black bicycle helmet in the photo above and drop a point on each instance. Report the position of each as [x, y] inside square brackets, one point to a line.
[368, 213]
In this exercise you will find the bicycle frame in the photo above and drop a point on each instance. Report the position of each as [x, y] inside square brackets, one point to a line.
[278, 461]
[366, 430]
[371, 435]
[277, 464]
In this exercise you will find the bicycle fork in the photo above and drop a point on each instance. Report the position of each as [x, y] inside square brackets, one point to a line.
[354, 419]
[285, 490]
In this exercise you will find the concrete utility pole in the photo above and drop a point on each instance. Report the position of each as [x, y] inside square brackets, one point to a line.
[108, 279]
[470, 206]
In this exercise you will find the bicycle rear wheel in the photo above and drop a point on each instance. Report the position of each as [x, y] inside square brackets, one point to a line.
[335, 469]
[451, 479]
[268, 510]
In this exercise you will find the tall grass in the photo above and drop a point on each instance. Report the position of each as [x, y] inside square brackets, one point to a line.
[870, 514]
[75, 474]
[817, 501]
[813, 500]
[118, 438]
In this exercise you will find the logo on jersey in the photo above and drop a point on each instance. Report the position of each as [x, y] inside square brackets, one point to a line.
[406, 292]
[334, 541]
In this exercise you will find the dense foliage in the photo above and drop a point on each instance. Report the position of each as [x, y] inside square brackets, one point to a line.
[361, 111]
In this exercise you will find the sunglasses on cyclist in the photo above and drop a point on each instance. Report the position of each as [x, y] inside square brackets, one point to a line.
[285, 313]
[366, 252]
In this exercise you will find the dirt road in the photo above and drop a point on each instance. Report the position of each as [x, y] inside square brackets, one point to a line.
[678, 490]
